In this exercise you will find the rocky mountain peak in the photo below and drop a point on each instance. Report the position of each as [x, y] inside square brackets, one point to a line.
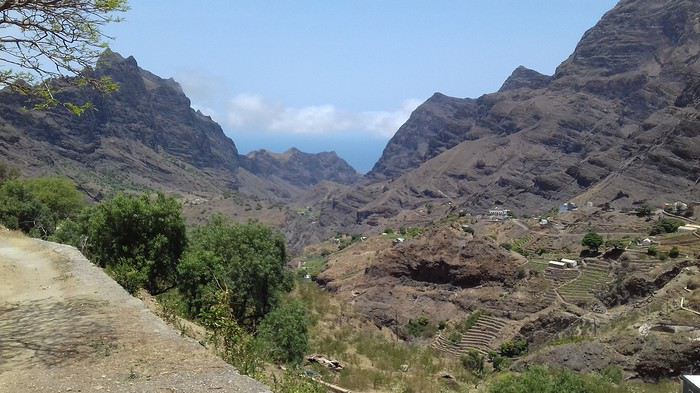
[299, 168]
[524, 77]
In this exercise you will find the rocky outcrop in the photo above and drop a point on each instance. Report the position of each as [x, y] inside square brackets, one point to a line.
[446, 256]
[299, 168]
[145, 135]
[525, 78]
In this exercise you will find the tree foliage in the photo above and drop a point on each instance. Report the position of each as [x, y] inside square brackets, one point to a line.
[513, 348]
[665, 225]
[42, 39]
[138, 236]
[36, 206]
[284, 332]
[246, 260]
[592, 240]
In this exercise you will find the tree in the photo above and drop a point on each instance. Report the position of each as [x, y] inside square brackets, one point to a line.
[513, 348]
[617, 244]
[138, 237]
[43, 39]
[665, 225]
[592, 240]
[644, 211]
[36, 206]
[284, 332]
[247, 260]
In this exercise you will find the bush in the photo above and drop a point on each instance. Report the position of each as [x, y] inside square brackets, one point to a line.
[146, 233]
[652, 250]
[674, 253]
[245, 259]
[284, 333]
[665, 225]
[499, 362]
[542, 380]
[294, 383]
[36, 206]
[420, 327]
[644, 211]
[507, 246]
[473, 361]
[513, 348]
[129, 276]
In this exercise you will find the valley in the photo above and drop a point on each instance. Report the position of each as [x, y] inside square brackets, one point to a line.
[547, 230]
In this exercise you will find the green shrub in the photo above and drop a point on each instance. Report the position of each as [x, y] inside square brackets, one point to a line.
[652, 250]
[613, 374]
[128, 275]
[674, 253]
[498, 361]
[421, 327]
[542, 380]
[245, 259]
[292, 382]
[147, 233]
[473, 361]
[644, 211]
[513, 348]
[665, 225]
[507, 246]
[36, 206]
[284, 333]
[592, 240]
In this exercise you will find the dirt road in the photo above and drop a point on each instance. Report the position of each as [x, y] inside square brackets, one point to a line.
[65, 326]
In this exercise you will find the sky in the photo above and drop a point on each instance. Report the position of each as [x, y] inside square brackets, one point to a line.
[341, 75]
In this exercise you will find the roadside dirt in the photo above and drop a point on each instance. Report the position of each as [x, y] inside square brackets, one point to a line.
[65, 326]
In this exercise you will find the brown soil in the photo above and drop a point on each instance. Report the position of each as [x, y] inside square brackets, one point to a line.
[66, 326]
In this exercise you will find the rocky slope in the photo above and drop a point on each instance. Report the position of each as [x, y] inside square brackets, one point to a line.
[299, 168]
[615, 123]
[147, 136]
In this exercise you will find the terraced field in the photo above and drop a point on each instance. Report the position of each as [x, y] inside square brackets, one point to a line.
[580, 291]
[559, 277]
[481, 337]
[688, 243]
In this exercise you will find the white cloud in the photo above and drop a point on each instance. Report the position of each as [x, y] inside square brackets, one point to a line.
[248, 112]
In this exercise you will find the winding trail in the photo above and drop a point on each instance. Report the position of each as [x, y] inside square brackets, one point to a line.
[65, 326]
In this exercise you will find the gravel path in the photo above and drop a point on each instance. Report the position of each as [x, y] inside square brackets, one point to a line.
[65, 326]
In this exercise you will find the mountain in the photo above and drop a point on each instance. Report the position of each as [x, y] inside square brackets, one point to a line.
[616, 123]
[299, 168]
[147, 136]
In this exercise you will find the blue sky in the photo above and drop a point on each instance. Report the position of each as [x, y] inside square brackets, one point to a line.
[342, 75]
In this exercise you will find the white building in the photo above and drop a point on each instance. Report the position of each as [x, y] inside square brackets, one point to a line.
[570, 262]
[498, 214]
[557, 265]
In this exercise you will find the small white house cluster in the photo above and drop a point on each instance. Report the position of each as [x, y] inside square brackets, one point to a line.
[563, 264]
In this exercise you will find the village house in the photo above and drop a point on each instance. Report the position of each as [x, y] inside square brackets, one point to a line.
[567, 207]
[689, 228]
[498, 214]
[557, 264]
